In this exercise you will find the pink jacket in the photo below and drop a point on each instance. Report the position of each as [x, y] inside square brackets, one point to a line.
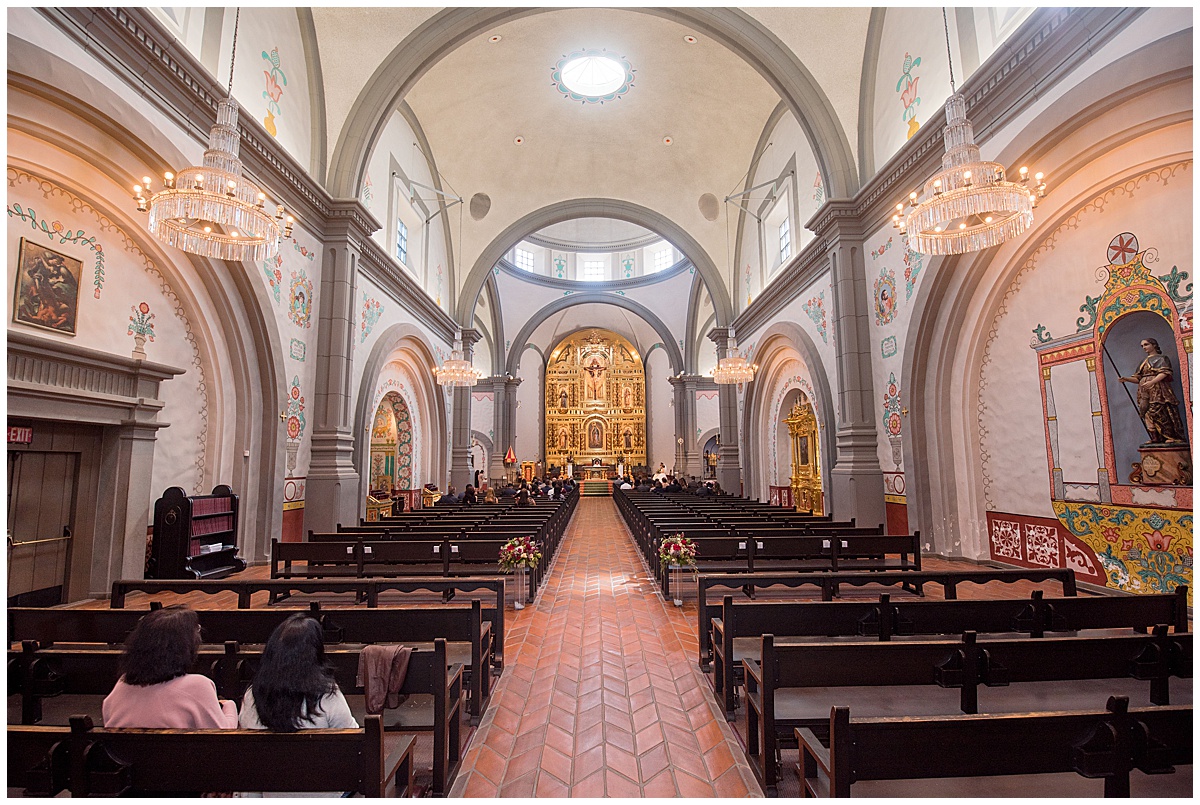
[187, 702]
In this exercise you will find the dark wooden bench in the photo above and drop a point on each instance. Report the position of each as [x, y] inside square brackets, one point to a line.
[737, 633]
[36, 674]
[917, 677]
[467, 630]
[1104, 744]
[91, 762]
[829, 585]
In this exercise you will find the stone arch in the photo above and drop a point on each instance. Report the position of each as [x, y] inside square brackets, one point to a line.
[668, 344]
[770, 353]
[733, 29]
[409, 346]
[595, 208]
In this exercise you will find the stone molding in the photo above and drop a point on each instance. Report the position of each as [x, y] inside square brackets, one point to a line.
[603, 285]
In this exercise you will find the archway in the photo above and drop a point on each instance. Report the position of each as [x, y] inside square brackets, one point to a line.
[391, 447]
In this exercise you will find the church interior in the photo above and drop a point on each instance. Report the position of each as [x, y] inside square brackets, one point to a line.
[728, 308]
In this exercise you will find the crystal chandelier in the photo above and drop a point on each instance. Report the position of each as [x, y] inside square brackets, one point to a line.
[733, 370]
[456, 370]
[968, 205]
[212, 210]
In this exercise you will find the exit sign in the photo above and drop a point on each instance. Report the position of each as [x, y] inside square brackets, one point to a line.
[20, 435]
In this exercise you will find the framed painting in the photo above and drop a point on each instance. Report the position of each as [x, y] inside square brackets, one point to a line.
[47, 292]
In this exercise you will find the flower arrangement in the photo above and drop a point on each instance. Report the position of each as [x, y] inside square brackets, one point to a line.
[519, 552]
[677, 551]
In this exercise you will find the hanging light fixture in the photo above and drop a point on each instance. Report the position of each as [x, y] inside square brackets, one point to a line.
[734, 369]
[968, 205]
[456, 370]
[212, 210]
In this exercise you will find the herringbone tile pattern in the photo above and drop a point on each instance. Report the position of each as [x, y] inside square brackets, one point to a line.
[601, 695]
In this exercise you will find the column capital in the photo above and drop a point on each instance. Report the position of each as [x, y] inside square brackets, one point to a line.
[351, 220]
[470, 337]
[719, 336]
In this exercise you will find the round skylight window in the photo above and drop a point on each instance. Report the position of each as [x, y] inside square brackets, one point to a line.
[592, 76]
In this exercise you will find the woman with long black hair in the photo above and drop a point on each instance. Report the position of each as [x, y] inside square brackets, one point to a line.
[294, 688]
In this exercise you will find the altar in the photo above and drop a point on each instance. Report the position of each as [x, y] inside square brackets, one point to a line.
[599, 473]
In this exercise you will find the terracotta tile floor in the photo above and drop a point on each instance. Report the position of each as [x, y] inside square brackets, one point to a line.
[602, 696]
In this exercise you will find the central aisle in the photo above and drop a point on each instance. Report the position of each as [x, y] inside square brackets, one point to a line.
[601, 695]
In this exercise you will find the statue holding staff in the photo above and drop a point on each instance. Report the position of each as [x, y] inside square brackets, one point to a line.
[1156, 401]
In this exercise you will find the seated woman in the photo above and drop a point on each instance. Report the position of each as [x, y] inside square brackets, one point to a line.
[489, 495]
[469, 497]
[155, 690]
[294, 688]
[524, 498]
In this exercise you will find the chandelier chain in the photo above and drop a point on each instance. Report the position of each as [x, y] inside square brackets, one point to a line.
[949, 59]
[237, 18]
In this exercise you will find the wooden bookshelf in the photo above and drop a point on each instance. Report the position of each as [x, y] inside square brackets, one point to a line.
[195, 537]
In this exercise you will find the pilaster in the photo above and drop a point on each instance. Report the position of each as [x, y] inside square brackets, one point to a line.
[729, 470]
[460, 432]
[332, 486]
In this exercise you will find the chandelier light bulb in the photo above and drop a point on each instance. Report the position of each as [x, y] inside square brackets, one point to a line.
[987, 220]
[207, 230]
[137, 189]
[146, 181]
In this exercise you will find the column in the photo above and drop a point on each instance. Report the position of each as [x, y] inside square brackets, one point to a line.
[856, 480]
[684, 387]
[729, 470]
[495, 467]
[460, 432]
[332, 486]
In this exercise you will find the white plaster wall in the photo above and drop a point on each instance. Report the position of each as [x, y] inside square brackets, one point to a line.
[660, 410]
[529, 424]
[708, 416]
[386, 197]
[271, 76]
[483, 412]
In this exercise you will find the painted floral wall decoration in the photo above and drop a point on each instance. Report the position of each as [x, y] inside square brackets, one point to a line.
[885, 297]
[371, 313]
[293, 412]
[300, 304]
[57, 231]
[912, 268]
[367, 190]
[907, 87]
[892, 421]
[141, 323]
[815, 308]
[819, 189]
[275, 82]
[273, 269]
[297, 350]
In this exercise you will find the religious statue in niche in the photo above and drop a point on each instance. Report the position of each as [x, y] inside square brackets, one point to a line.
[1156, 402]
[562, 398]
[627, 397]
[595, 436]
[628, 436]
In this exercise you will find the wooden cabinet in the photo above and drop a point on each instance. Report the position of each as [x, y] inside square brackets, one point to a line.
[195, 537]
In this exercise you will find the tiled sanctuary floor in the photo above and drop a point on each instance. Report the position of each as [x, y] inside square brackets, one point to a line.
[601, 695]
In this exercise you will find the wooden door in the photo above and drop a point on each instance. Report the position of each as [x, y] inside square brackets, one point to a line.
[41, 517]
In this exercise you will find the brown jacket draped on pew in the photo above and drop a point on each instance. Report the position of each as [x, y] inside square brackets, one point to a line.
[381, 673]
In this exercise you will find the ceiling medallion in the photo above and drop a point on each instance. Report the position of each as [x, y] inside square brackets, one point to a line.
[592, 76]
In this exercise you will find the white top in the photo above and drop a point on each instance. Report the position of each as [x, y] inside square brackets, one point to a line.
[335, 714]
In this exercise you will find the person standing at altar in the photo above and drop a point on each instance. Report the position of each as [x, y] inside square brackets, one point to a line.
[661, 473]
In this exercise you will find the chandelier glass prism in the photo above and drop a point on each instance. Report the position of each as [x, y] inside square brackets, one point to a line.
[970, 204]
[734, 369]
[212, 210]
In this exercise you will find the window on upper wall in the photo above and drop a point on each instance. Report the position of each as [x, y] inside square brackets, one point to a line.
[593, 271]
[662, 258]
[524, 259]
[401, 242]
[785, 241]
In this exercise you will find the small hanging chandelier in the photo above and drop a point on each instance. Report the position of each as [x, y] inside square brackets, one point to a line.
[456, 370]
[968, 205]
[733, 370]
[212, 210]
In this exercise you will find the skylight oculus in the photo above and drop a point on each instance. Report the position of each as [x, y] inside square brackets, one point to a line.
[592, 76]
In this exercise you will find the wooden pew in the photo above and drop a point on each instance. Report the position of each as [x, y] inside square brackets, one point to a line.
[467, 630]
[737, 632]
[39, 673]
[1106, 744]
[830, 583]
[86, 761]
[913, 677]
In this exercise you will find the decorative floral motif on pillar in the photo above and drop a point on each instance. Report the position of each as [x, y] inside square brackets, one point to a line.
[273, 269]
[912, 267]
[293, 412]
[275, 82]
[893, 423]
